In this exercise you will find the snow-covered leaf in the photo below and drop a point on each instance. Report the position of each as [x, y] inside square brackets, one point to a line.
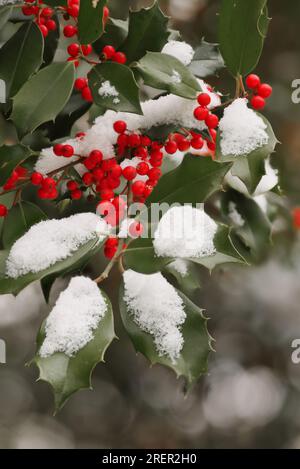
[67, 375]
[164, 72]
[207, 60]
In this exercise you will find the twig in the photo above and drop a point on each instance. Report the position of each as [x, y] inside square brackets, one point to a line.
[111, 264]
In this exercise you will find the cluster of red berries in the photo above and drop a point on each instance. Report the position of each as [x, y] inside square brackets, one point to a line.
[47, 186]
[18, 174]
[261, 91]
[110, 53]
[43, 15]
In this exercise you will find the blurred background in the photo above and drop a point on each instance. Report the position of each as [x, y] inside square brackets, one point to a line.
[251, 397]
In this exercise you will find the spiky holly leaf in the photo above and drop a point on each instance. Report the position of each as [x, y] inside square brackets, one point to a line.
[184, 275]
[19, 219]
[70, 264]
[193, 359]
[207, 60]
[67, 375]
[43, 96]
[114, 87]
[165, 72]
[148, 31]
[90, 20]
[250, 168]
[243, 26]
[141, 257]
[20, 57]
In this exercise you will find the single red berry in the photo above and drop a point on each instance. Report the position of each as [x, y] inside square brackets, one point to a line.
[3, 210]
[111, 242]
[73, 10]
[87, 49]
[105, 14]
[57, 149]
[96, 156]
[212, 121]
[116, 171]
[197, 143]
[76, 194]
[73, 49]
[47, 12]
[119, 57]
[36, 179]
[98, 174]
[141, 152]
[52, 194]
[142, 168]
[50, 25]
[80, 135]
[67, 151]
[184, 145]
[200, 113]
[148, 191]
[138, 188]
[69, 30]
[42, 194]
[86, 94]
[134, 140]
[154, 174]
[80, 83]
[136, 229]
[113, 183]
[171, 147]
[257, 102]
[211, 145]
[88, 179]
[44, 30]
[120, 127]
[264, 90]
[89, 164]
[204, 99]
[109, 51]
[106, 194]
[129, 173]
[48, 183]
[72, 185]
[145, 141]
[252, 81]
[110, 252]
[157, 155]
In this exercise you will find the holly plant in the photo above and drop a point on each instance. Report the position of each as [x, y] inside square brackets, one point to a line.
[108, 129]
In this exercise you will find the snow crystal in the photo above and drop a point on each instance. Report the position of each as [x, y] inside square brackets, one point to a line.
[181, 50]
[157, 309]
[242, 130]
[107, 90]
[175, 78]
[74, 318]
[166, 110]
[185, 232]
[180, 266]
[51, 241]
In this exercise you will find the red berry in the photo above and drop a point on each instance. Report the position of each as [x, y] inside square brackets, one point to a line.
[36, 179]
[88, 179]
[141, 152]
[134, 140]
[119, 57]
[96, 156]
[57, 149]
[52, 194]
[138, 188]
[74, 61]
[257, 102]
[87, 49]
[80, 135]
[212, 121]
[106, 194]
[142, 168]
[51, 25]
[80, 83]
[154, 173]
[44, 30]
[111, 242]
[204, 99]
[48, 183]
[211, 145]
[148, 191]
[136, 229]
[120, 127]
[73, 49]
[42, 194]
[296, 217]
[200, 113]
[76, 194]
[110, 252]
[98, 174]
[145, 141]
[70, 31]
[129, 173]
[72, 185]
[264, 90]
[105, 14]
[113, 183]
[184, 145]
[3, 210]
[171, 147]
[87, 94]
[67, 151]
[73, 10]
[252, 81]
[48, 12]
[109, 51]
[197, 143]
[116, 171]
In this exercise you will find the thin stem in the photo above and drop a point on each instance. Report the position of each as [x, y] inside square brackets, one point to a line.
[237, 86]
[111, 264]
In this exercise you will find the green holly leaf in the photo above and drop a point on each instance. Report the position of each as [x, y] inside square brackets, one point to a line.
[5, 12]
[51, 43]
[141, 257]
[43, 97]
[164, 72]
[115, 34]
[125, 94]
[193, 359]
[10, 157]
[243, 26]
[71, 264]
[250, 168]
[19, 219]
[188, 280]
[20, 57]
[207, 60]
[148, 31]
[67, 375]
[90, 20]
